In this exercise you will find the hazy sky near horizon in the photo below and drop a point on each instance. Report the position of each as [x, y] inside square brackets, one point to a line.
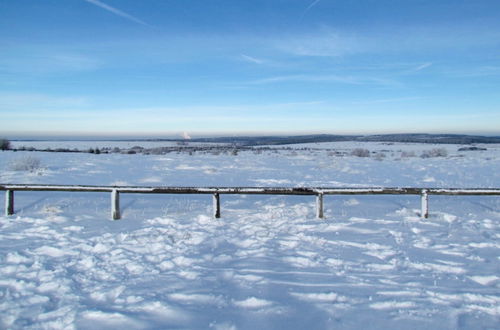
[164, 67]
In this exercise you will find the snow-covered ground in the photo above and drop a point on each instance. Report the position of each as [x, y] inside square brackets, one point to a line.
[268, 262]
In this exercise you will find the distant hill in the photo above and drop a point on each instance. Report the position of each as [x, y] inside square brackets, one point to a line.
[276, 140]
[432, 138]
[416, 138]
[249, 141]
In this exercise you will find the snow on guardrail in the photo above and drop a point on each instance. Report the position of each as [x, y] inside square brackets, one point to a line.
[319, 192]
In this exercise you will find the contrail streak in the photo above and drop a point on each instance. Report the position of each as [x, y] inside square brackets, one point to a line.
[314, 3]
[116, 11]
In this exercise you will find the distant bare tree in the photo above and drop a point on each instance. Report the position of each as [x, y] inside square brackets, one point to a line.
[4, 144]
[360, 152]
[26, 163]
[437, 152]
[408, 154]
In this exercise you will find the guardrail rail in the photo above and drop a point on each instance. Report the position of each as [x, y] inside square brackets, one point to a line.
[319, 192]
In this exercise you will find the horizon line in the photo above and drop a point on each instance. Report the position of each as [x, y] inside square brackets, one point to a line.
[179, 137]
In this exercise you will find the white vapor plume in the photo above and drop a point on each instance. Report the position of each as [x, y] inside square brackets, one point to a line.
[186, 136]
[116, 11]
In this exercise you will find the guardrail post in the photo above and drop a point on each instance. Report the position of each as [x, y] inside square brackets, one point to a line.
[115, 205]
[9, 202]
[216, 203]
[319, 206]
[425, 204]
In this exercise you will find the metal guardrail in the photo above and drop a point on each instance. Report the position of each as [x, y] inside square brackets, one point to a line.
[319, 192]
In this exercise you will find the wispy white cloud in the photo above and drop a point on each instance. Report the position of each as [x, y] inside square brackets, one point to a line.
[322, 43]
[390, 100]
[116, 11]
[190, 112]
[471, 72]
[36, 60]
[31, 101]
[312, 4]
[252, 59]
[333, 42]
[74, 62]
[351, 80]
[422, 66]
[415, 68]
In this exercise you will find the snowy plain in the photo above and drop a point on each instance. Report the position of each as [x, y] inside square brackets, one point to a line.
[268, 263]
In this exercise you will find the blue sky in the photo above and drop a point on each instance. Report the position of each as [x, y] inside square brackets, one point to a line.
[164, 67]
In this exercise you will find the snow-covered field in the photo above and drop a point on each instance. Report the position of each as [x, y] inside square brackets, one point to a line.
[268, 263]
